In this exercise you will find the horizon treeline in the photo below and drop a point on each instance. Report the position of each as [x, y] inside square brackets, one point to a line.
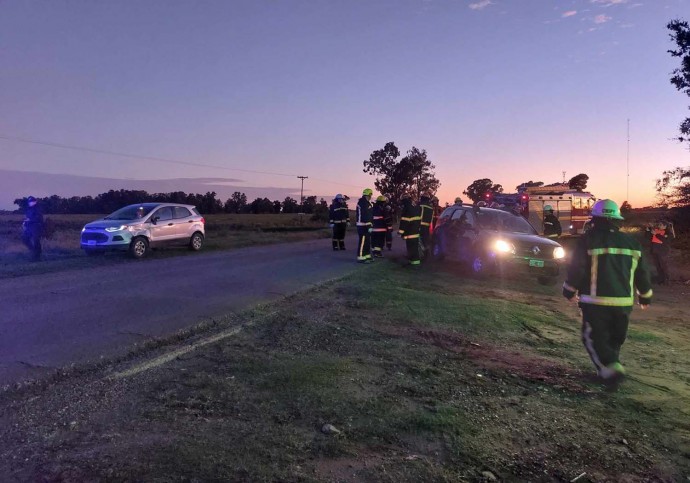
[207, 203]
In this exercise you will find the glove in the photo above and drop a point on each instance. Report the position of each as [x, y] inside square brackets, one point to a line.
[371, 230]
[331, 225]
[348, 223]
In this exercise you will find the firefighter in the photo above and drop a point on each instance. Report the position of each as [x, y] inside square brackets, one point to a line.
[427, 214]
[606, 270]
[339, 221]
[388, 219]
[659, 235]
[378, 236]
[410, 218]
[364, 226]
[32, 228]
[552, 227]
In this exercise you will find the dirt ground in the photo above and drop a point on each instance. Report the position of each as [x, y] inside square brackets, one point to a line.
[424, 375]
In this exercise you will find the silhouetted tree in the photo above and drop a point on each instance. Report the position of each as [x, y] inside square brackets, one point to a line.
[290, 205]
[480, 187]
[236, 203]
[626, 207]
[680, 34]
[578, 182]
[528, 184]
[673, 187]
[276, 206]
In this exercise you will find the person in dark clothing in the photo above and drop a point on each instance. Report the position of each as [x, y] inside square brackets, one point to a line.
[552, 227]
[32, 228]
[339, 220]
[606, 270]
[427, 214]
[378, 236]
[659, 236]
[388, 219]
[410, 218]
[364, 226]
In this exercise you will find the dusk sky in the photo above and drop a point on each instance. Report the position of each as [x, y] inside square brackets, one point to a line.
[512, 90]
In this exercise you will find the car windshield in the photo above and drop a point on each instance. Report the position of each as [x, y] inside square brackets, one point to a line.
[133, 212]
[501, 221]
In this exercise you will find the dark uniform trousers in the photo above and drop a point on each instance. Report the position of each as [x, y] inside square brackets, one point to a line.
[604, 330]
[339, 229]
[364, 246]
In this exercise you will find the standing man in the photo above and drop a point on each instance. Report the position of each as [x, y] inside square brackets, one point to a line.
[378, 237]
[552, 227]
[339, 220]
[660, 235]
[606, 270]
[388, 219]
[410, 218]
[427, 214]
[364, 226]
[32, 228]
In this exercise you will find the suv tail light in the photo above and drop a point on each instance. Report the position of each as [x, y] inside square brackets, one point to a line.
[203, 222]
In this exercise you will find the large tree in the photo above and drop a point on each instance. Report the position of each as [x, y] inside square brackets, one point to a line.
[480, 187]
[412, 175]
[578, 182]
[528, 184]
[680, 34]
[674, 187]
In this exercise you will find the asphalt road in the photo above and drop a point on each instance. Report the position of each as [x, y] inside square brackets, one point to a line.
[52, 320]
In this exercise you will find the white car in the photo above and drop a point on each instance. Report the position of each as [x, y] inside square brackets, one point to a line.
[137, 228]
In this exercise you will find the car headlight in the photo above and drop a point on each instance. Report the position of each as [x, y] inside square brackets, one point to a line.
[503, 246]
[116, 228]
[558, 252]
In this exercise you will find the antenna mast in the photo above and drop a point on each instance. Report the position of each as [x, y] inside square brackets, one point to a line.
[627, 168]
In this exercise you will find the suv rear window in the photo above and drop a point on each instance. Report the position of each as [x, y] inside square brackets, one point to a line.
[181, 212]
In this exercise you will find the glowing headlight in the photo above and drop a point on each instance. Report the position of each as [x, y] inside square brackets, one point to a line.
[503, 246]
[116, 228]
[558, 252]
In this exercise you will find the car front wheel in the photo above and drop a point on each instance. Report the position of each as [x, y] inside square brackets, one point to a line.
[196, 242]
[480, 266]
[139, 247]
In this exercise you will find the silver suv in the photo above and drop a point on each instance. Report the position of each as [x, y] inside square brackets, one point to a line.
[137, 228]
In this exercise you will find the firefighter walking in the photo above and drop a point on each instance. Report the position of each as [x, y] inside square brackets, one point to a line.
[426, 214]
[388, 219]
[32, 228]
[339, 220]
[606, 269]
[364, 226]
[410, 219]
[380, 228]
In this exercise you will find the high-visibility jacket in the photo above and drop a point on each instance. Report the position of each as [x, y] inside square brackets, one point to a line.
[410, 219]
[427, 214]
[552, 227]
[607, 268]
[339, 213]
[379, 217]
[364, 212]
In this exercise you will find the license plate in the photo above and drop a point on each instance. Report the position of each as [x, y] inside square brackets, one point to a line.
[91, 242]
[536, 263]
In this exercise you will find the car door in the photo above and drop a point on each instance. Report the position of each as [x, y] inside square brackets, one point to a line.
[163, 229]
[456, 229]
[182, 223]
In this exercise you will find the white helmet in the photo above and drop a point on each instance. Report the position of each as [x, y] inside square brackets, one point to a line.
[607, 209]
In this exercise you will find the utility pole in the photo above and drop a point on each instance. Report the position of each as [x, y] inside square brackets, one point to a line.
[563, 177]
[301, 193]
[627, 165]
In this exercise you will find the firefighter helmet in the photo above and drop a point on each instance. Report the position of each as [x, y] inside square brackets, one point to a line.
[382, 199]
[607, 209]
[548, 208]
[367, 192]
[339, 196]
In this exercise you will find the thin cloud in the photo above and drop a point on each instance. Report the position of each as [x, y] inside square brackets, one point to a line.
[481, 4]
[569, 13]
[601, 18]
[609, 3]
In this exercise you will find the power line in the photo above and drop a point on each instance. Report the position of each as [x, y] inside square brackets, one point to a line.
[152, 158]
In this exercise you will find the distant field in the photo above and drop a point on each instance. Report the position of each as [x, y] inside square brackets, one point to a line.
[223, 232]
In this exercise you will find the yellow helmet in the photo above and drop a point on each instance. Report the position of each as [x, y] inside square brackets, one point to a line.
[382, 199]
[367, 192]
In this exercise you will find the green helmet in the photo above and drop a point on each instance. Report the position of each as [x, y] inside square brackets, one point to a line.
[548, 208]
[367, 192]
[607, 209]
[382, 199]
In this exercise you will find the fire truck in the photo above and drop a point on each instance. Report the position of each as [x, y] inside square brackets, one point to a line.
[573, 208]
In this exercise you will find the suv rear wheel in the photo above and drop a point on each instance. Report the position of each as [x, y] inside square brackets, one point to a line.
[196, 241]
[139, 247]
